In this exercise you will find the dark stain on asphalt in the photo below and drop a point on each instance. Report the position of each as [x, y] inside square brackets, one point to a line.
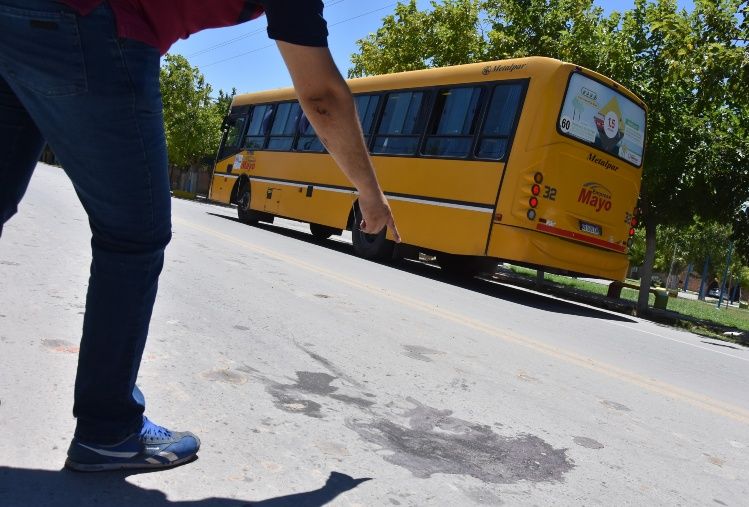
[293, 404]
[588, 443]
[420, 353]
[242, 328]
[352, 400]
[616, 406]
[314, 383]
[287, 396]
[9, 263]
[332, 368]
[434, 442]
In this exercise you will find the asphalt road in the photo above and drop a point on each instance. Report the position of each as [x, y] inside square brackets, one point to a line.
[313, 376]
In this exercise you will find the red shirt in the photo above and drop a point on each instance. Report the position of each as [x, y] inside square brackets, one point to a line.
[160, 23]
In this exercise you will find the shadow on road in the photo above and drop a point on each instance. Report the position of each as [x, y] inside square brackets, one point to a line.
[21, 487]
[722, 345]
[482, 286]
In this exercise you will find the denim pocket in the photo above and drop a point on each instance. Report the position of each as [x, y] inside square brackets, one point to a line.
[41, 50]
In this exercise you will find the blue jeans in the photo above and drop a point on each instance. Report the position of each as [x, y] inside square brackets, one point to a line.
[94, 98]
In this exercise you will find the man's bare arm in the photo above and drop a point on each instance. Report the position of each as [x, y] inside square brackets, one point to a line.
[329, 106]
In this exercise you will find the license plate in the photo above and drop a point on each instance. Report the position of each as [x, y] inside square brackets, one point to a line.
[591, 228]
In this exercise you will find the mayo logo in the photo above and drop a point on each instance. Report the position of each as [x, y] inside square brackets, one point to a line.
[588, 94]
[595, 195]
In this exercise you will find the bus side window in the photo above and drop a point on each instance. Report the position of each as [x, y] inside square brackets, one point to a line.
[454, 123]
[259, 127]
[498, 123]
[366, 107]
[401, 125]
[284, 126]
[308, 140]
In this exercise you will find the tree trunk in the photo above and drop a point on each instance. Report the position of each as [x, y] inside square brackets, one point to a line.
[646, 273]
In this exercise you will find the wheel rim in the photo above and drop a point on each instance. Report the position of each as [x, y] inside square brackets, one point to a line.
[244, 201]
[369, 239]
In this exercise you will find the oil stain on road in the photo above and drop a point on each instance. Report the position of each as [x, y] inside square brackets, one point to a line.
[434, 442]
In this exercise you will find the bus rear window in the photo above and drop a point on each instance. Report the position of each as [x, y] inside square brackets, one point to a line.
[604, 118]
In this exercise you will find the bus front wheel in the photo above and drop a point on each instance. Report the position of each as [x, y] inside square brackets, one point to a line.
[466, 265]
[244, 213]
[375, 247]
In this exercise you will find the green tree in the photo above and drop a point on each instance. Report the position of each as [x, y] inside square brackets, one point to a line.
[192, 119]
[569, 30]
[223, 102]
[741, 233]
[450, 33]
[688, 68]
[695, 243]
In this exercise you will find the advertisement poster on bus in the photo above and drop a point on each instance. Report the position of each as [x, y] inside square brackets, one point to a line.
[604, 118]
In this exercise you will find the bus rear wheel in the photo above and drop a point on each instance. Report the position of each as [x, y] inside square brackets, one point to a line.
[323, 231]
[466, 265]
[244, 213]
[375, 247]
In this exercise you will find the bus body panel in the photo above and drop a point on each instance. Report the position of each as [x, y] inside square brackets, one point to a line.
[439, 228]
[533, 248]
[455, 217]
[221, 187]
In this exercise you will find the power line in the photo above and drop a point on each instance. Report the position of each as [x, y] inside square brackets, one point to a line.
[246, 35]
[226, 42]
[271, 45]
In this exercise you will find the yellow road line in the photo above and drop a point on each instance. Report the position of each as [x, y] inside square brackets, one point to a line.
[698, 400]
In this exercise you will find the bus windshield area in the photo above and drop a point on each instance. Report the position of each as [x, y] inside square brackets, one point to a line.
[604, 118]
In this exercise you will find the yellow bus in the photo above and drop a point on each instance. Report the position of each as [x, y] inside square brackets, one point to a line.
[532, 161]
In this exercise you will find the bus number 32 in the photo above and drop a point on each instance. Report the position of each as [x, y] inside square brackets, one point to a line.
[550, 193]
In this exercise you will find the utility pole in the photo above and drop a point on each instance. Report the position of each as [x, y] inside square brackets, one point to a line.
[701, 295]
[673, 261]
[725, 274]
[690, 267]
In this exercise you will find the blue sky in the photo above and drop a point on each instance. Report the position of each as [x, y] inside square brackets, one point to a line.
[242, 56]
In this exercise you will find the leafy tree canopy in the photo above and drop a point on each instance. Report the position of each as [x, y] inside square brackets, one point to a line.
[192, 119]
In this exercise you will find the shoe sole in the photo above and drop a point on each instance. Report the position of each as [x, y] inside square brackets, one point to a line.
[110, 467]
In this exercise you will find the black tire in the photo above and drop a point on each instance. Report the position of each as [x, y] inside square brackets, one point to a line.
[466, 266]
[244, 213]
[375, 247]
[323, 231]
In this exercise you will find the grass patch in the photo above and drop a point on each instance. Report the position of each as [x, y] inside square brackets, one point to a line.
[701, 310]
[182, 194]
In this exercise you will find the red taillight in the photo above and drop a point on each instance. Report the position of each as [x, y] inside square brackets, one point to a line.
[533, 202]
[536, 189]
[632, 231]
[633, 222]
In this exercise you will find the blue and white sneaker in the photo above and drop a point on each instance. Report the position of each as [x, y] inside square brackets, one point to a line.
[153, 447]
